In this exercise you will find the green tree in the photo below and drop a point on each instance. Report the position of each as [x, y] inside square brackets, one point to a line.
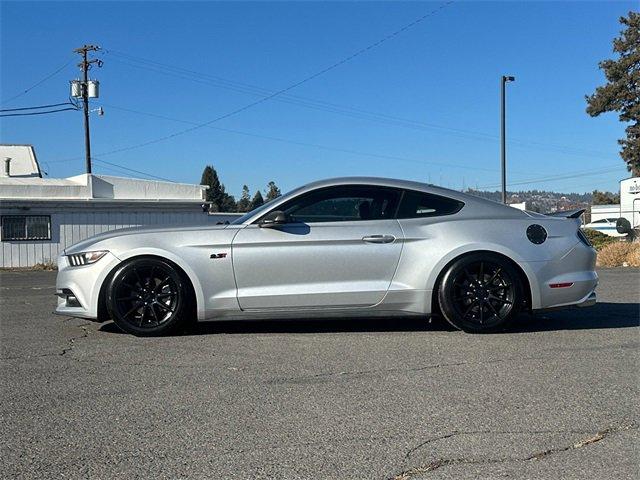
[220, 200]
[244, 203]
[272, 191]
[257, 201]
[211, 180]
[605, 198]
[228, 203]
[621, 93]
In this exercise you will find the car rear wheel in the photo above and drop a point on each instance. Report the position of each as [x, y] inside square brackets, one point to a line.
[147, 297]
[480, 293]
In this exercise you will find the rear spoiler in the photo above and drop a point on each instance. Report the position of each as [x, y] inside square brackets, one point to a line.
[568, 213]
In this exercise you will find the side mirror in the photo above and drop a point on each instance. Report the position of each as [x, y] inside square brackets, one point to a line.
[274, 219]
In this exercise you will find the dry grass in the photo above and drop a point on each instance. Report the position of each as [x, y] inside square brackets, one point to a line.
[633, 259]
[46, 266]
[619, 254]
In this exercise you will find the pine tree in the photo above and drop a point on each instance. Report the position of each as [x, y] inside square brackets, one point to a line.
[272, 191]
[220, 200]
[228, 203]
[622, 91]
[245, 200]
[257, 201]
[210, 179]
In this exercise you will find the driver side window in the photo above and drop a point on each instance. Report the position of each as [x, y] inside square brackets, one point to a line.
[344, 204]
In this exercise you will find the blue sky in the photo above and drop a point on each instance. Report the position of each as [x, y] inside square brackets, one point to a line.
[434, 90]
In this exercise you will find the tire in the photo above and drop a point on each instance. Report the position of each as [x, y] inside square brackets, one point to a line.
[480, 293]
[148, 297]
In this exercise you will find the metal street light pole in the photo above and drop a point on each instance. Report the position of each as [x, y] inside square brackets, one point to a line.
[503, 142]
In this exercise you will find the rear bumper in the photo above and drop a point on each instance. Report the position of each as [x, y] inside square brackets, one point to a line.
[567, 281]
[590, 301]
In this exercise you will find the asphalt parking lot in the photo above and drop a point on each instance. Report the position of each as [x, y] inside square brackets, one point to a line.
[341, 399]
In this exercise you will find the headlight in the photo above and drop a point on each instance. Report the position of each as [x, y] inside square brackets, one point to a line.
[85, 258]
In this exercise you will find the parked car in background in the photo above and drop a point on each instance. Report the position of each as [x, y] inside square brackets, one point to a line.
[606, 226]
[337, 248]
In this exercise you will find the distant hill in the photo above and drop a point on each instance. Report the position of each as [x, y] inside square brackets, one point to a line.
[540, 200]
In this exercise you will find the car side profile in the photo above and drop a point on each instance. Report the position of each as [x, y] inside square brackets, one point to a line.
[342, 247]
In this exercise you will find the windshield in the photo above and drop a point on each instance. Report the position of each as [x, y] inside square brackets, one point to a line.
[264, 207]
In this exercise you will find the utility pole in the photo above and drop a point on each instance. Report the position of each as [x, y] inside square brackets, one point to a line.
[503, 142]
[84, 93]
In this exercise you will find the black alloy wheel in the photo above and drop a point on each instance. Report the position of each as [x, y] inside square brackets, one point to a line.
[480, 293]
[147, 297]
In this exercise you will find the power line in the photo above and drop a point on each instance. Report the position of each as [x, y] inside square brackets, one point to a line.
[24, 92]
[338, 149]
[294, 142]
[140, 172]
[344, 110]
[554, 178]
[36, 113]
[286, 89]
[598, 171]
[36, 107]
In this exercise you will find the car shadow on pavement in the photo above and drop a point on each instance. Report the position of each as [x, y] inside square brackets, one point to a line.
[600, 316]
[307, 325]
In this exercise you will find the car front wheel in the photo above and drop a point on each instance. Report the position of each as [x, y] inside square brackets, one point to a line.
[147, 297]
[480, 293]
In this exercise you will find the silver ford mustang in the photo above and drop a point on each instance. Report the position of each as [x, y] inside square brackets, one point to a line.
[342, 247]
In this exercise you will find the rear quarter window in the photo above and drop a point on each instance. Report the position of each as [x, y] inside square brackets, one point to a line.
[420, 204]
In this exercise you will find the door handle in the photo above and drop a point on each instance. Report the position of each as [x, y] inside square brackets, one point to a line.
[379, 239]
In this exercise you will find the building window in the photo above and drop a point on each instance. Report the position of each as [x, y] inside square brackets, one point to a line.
[26, 227]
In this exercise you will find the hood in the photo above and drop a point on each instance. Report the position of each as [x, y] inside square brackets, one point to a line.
[91, 243]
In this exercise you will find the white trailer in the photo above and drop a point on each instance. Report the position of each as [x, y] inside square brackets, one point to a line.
[630, 201]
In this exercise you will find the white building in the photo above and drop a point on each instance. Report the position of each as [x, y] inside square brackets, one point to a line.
[41, 216]
[519, 205]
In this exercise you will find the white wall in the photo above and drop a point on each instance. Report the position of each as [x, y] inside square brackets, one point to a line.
[71, 225]
[23, 161]
[104, 186]
[598, 212]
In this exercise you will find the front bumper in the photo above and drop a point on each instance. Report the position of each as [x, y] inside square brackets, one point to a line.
[78, 288]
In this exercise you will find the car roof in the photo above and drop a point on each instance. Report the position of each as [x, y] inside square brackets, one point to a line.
[385, 182]
[406, 184]
[474, 206]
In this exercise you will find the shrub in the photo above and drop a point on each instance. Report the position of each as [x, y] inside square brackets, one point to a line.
[615, 254]
[598, 239]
